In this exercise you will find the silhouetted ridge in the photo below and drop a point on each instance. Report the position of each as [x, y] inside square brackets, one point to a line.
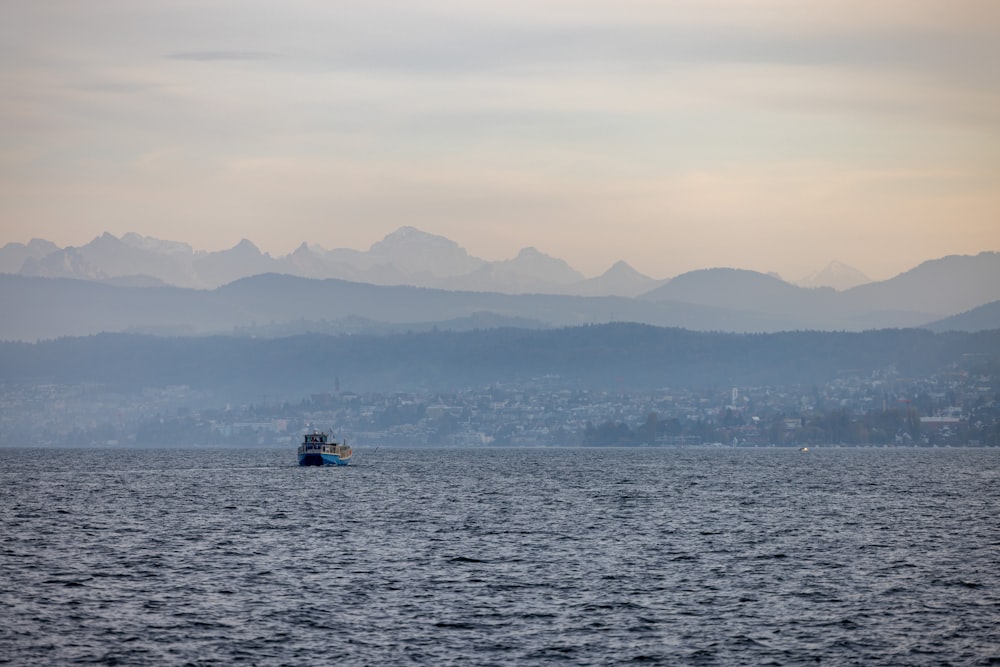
[608, 355]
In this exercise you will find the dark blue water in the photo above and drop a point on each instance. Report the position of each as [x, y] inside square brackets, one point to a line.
[583, 557]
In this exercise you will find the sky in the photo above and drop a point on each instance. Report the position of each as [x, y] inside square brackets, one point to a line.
[773, 135]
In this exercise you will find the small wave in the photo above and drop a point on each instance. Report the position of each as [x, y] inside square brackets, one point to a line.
[69, 583]
[457, 625]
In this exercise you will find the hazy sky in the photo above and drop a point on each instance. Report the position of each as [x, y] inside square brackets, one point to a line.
[774, 135]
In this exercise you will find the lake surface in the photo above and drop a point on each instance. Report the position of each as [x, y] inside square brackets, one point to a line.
[502, 556]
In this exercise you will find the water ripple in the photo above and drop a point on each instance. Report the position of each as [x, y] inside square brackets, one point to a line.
[582, 557]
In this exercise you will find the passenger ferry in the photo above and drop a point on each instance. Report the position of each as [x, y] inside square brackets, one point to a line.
[317, 450]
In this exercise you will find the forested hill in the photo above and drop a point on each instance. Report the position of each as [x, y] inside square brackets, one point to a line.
[38, 308]
[609, 356]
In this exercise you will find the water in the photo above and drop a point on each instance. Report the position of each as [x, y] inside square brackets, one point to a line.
[701, 556]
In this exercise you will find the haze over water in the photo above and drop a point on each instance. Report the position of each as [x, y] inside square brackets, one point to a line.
[517, 556]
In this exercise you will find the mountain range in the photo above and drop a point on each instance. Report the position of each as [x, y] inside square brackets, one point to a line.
[407, 256]
[725, 300]
[412, 281]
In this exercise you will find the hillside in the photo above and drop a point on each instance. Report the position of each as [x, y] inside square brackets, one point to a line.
[623, 355]
[709, 300]
[409, 256]
[983, 318]
[41, 308]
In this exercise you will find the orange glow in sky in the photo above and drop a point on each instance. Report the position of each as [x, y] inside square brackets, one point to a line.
[763, 134]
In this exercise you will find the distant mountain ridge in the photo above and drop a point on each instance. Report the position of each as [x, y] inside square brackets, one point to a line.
[600, 356]
[620, 279]
[728, 300]
[924, 294]
[407, 256]
[983, 318]
[413, 278]
[837, 275]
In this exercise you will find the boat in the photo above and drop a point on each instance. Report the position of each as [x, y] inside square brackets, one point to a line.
[803, 449]
[320, 449]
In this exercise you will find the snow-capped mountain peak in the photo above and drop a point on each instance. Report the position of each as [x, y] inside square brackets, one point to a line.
[837, 275]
